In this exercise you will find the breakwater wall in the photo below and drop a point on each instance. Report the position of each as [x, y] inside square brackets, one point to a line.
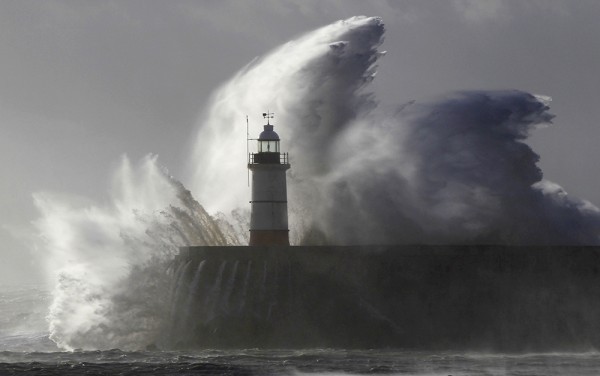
[494, 298]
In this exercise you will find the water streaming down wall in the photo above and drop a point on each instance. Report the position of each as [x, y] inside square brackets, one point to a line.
[502, 298]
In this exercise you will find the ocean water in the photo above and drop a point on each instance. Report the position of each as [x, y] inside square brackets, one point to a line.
[26, 349]
[298, 362]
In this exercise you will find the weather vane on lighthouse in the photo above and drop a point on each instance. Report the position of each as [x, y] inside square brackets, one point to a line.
[268, 115]
[268, 218]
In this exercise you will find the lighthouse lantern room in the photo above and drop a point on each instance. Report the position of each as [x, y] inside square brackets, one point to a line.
[268, 218]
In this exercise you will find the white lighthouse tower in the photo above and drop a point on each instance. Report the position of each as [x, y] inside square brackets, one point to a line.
[268, 219]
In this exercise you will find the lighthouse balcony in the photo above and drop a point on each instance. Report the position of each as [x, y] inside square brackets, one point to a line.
[268, 158]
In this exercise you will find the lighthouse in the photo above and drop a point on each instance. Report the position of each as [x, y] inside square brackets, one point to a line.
[268, 218]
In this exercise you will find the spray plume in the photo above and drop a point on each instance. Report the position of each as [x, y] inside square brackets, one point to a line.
[112, 263]
[453, 170]
[311, 84]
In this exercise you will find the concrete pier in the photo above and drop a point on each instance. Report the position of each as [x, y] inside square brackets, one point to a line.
[495, 298]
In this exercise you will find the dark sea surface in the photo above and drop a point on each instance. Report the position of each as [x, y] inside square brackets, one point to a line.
[26, 349]
[296, 362]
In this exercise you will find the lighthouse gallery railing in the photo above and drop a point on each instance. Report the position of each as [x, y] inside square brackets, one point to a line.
[256, 158]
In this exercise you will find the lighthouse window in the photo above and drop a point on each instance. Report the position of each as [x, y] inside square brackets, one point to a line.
[270, 146]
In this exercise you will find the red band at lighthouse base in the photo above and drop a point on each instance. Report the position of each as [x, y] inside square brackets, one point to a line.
[269, 237]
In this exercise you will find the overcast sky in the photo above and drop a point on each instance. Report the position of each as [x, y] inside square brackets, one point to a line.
[82, 82]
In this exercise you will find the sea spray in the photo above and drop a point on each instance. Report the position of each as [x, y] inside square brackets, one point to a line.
[454, 169]
[111, 261]
[313, 85]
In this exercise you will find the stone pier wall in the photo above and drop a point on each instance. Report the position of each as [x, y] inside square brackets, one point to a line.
[417, 297]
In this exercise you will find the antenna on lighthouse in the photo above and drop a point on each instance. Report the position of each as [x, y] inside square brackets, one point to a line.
[248, 147]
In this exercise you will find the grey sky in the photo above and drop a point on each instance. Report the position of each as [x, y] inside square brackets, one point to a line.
[82, 82]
